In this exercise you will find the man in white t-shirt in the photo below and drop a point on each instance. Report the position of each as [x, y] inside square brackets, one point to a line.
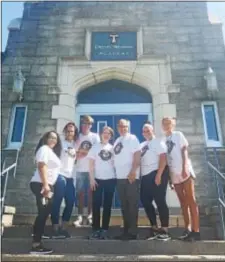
[127, 163]
[182, 176]
[85, 142]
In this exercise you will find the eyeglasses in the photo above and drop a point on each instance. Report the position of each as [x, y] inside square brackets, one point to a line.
[86, 124]
[106, 133]
[70, 131]
[53, 138]
[145, 131]
[121, 126]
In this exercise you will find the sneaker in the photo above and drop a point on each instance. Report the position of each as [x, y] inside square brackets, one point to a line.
[64, 233]
[57, 234]
[163, 235]
[185, 234]
[126, 237]
[121, 236]
[95, 235]
[192, 236]
[79, 221]
[153, 234]
[40, 250]
[43, 236]
[89, 220]
[104, 234]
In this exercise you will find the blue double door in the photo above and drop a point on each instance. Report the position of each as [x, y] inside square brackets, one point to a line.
[136, 123]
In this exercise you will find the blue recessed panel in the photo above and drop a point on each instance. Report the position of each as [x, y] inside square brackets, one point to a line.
[211, 125]
[113, 46]
[17, 131]
[114, 92]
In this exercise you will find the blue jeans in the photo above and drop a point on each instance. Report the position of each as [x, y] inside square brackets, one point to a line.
[64, 188]
[82, 181]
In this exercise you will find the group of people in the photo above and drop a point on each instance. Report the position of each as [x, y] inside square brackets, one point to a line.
[88, 162]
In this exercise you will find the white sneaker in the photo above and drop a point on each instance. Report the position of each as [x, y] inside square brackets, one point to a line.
[79, 221]
[89, 219]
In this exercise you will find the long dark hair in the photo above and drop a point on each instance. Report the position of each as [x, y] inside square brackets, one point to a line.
[44, 139]
[76, 132]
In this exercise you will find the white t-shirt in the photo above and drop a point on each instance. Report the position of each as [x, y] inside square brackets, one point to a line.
[46, 155]
[150, 153]
[103, 156]
[67, 161]
[85, 142]
[174, 144]
[124, 149]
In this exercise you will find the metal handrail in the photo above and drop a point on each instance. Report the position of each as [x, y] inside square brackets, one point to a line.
[217, 171]
[6, 171]
[221, 197]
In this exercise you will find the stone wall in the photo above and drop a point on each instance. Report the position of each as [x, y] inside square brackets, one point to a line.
[51, 30]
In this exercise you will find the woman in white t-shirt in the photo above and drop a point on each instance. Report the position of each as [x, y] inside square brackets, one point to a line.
[47, 155]
[64, 187]
[102, 182]
[154, 181]
[182, 177]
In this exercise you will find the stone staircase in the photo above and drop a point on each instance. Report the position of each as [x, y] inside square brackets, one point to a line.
[16, 240]
[16, 243]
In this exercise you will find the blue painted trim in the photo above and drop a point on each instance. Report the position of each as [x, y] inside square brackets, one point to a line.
[114, 92]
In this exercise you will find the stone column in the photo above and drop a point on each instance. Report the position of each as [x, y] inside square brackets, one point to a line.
[64, 112]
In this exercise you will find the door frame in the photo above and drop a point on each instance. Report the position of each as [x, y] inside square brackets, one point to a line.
[129, 109]
[114, 109]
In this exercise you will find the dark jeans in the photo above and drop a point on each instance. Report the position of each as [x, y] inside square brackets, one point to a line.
[150, 191]
[64, 188]
[129, 198]
[43, 211]
[104, 192]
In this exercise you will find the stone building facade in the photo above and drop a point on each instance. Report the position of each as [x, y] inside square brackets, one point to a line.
[53, 46]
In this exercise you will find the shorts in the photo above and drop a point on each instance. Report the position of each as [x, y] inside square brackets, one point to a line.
[82, 181]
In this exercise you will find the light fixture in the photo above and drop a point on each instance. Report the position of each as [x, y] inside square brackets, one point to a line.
[211, 82]
[18, 84]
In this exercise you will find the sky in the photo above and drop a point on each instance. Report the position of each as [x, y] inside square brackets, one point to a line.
[11, 10]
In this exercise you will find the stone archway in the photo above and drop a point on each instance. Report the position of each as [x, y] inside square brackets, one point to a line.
[74, 76]
[154, 75]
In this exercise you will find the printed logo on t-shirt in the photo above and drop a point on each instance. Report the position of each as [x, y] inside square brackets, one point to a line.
[170, 145]
[86, 145]
[144, 150]
[105, 155]
[118, 148]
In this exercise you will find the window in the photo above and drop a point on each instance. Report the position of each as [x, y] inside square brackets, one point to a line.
[101, 125]
[211, 124]
[17, 126]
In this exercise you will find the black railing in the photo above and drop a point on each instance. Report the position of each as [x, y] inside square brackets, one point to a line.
[5, 172]
[220, 186]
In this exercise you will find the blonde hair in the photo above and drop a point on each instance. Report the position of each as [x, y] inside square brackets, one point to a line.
[147, 125]
[124, 120]
[168, 118]
[87, 119]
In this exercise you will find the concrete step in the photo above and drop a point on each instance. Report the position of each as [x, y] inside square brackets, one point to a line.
[116, 247]
[207, 233]
[116, 219]
[7, 220]
[110, 258]
[9, 210]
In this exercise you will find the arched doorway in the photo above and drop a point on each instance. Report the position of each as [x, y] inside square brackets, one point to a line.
[109, 101]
